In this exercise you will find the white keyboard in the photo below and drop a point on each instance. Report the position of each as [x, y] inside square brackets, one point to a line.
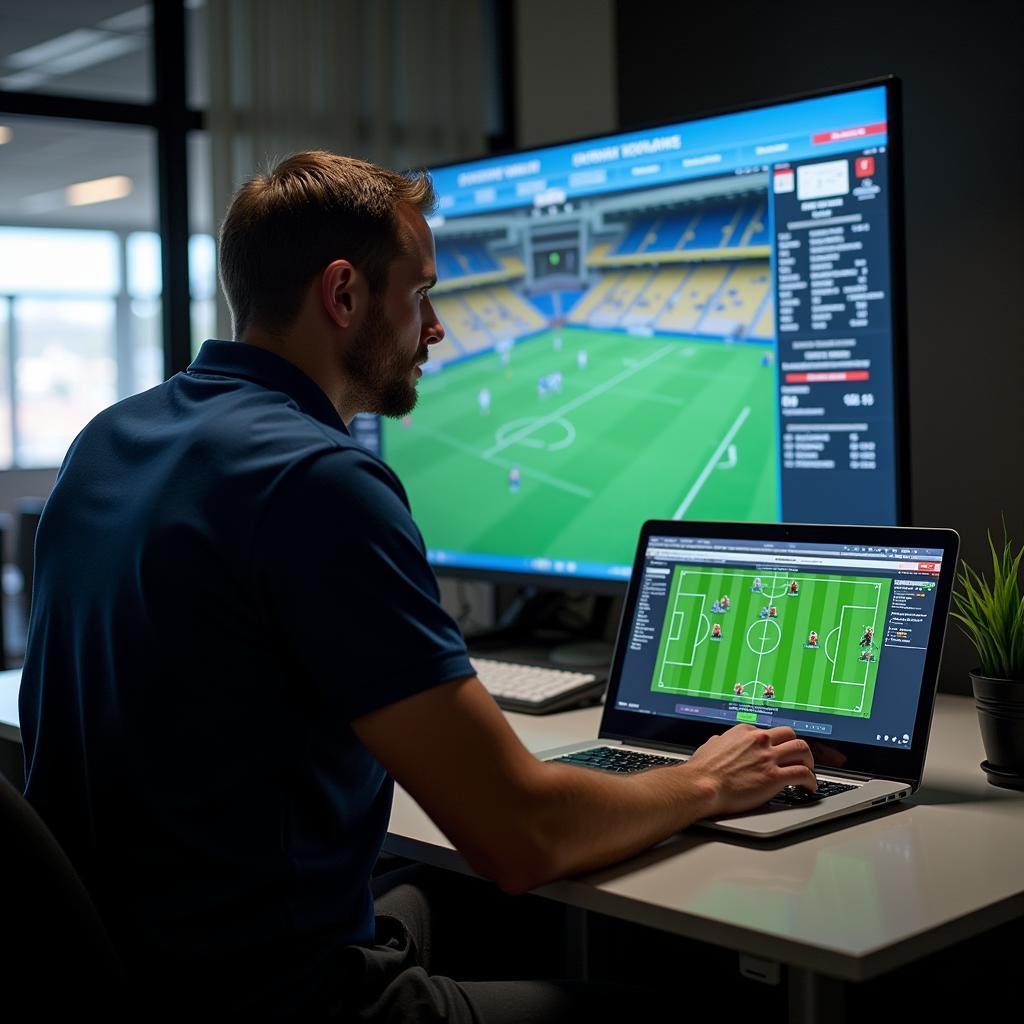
[537, 690]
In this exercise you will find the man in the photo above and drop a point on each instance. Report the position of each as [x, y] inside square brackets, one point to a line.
[236, 644]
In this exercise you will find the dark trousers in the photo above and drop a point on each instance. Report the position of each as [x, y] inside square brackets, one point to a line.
[424, 923]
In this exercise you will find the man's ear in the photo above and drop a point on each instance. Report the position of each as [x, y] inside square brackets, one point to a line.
[342, 292]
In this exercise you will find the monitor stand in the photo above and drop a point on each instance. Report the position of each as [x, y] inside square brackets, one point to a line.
[582, 654]
[554, 628]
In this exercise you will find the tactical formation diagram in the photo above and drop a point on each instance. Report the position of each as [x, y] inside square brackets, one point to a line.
[805, 641]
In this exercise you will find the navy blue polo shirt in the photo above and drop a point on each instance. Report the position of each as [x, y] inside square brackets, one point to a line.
[224, 580]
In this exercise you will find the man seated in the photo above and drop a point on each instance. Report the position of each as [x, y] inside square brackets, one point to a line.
[237, 645]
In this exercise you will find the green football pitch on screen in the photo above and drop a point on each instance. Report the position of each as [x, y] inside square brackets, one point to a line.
[757, 646]
[562, 445]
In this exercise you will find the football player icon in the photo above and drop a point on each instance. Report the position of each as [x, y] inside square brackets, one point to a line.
[812, 639]
[515, 479]
[724, 602]
[764, 612]
[716, 608]
[868, 637]
[716, 632]
[738, 689]
[772, 612]
[757, 588]
[794, 587]
[769, 691]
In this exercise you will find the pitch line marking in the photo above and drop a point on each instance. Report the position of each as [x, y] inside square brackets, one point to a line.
[532, 442]
[764, 638]
[526, 471]
[719, 695]
[712, 462]
[594, 392]
[799, 577]
[731, 461]
[707, 633]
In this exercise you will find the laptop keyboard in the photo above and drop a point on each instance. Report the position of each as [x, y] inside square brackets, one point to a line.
[796, 796]
[614, 759]
[625, 762]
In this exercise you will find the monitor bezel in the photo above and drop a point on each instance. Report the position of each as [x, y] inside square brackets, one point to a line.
[899, 368]
[861, 759]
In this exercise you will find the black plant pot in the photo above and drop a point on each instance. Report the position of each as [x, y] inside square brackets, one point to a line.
[1000, 705]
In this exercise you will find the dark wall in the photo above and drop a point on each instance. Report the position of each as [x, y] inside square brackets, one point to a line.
[964, 171]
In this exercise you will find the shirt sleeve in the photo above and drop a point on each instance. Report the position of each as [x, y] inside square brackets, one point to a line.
[344, 576]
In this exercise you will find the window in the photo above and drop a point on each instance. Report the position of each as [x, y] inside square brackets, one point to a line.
[83, 297]
[79, 291]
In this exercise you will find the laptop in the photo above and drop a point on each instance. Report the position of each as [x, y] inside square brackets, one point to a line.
[834, 631]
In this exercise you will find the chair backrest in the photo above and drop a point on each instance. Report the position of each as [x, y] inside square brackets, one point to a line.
[28, 511]
[6, 530]
[57, 955]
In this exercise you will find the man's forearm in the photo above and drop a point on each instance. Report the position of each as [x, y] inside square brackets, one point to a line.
[578, 819]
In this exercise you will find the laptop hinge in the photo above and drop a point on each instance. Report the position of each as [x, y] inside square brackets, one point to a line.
[821, 769]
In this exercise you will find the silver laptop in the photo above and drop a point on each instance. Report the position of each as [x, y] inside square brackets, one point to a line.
[834, 631]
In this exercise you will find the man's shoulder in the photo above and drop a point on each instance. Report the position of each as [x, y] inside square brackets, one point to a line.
[349, 474]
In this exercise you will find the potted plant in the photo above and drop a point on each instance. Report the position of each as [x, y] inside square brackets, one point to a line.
[991, 614]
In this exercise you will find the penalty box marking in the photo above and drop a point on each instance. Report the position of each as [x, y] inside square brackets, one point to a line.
[676, 634]
[843, 611]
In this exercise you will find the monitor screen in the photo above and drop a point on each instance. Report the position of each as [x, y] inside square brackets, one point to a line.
[693, 321]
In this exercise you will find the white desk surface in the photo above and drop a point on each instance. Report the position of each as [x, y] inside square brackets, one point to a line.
[849, 902]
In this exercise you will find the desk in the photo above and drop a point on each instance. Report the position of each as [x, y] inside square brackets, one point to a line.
[846, 904]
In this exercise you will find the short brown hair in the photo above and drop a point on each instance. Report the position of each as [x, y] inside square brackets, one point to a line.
[284, 227]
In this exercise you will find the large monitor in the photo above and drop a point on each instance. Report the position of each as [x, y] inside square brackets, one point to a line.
[698, 320]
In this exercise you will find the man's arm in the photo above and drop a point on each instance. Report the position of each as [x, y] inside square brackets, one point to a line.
[523, 822]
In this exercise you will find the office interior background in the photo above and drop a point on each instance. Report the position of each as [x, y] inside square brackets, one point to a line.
[125, 127]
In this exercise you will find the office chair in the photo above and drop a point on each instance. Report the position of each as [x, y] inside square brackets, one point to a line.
[27, 511]
[6, 529]
[57, 956]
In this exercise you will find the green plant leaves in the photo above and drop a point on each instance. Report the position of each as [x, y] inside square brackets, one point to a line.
[991, 614]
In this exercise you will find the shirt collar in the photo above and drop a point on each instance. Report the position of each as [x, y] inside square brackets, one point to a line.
[248, 362]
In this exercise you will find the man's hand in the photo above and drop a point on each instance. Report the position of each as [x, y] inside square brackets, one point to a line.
[746, 766]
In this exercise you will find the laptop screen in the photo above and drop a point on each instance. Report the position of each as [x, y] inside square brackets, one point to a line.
[827, 638]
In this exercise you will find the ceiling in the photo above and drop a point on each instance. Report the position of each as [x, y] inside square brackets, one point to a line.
[96, 49]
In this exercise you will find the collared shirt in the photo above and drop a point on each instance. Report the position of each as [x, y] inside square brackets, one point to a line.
[224, 580]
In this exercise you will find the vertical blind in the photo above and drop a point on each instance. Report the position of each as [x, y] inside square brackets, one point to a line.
[398, 82]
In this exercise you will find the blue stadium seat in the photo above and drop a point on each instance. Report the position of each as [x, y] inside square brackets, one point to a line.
[708, 232]
[635, 237]
[669, 232]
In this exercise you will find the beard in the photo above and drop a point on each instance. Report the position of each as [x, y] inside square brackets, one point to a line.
[380, 373]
